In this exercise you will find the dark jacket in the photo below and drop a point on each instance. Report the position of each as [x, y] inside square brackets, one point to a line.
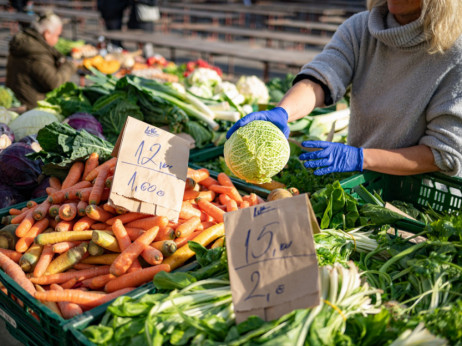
[112, 9]
[34, 67]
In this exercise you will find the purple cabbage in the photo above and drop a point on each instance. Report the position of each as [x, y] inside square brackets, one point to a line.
[9, 196]
[87, 122]
[6, 136]
[16, 169]
[32, 141]
[40, 190]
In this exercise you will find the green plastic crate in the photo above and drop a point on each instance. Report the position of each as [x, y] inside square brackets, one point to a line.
[205, 154]
[435, 190]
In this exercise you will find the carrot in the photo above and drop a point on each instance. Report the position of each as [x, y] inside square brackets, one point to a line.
[210, 209]
[84, 194]
[74, 175]
[13, 255]
[69, 284]
[31, 204]
[30, 258]
[64, 246]
[53, 223]
[55, 183]
[14, 211]
[167, 247]
[231, 191]
[53, 210]
[208, 182]
[81, 205]
[190, 184]
[198, 175]
[23, 243]
[152, 255]
[94, 249]
[51, 305]
[184, 253]
[14, 271]
[99, 226]
[67, 259]
[80, 275]
[105, 240]
[58, 237]
[26, 224]
[229, 203]
[127, 256]
[98, 186]
[83, 266]
[44, 261]
[184, 240]
[68, 211]
[126, 218]
[101, 259]
[109, 208]
[165, 233]
[59, 196]
[188, 227]
[188, 211]
[134, 232]
[149, 222]
[97, 213]
[91, 163]
[244, 204]
[50, 190]
[19, 218]
[65, 226]
[136, 278]
[121, 234]
[68, 310]
[98, 281]
[94, 172]
[83, 224]
[108, 181]
[190, 194]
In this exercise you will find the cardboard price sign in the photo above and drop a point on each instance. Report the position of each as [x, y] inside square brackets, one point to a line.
[151, 170]
[272, 258]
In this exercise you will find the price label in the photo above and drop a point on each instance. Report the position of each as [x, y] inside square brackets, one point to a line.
[272, 258]
[151, 170]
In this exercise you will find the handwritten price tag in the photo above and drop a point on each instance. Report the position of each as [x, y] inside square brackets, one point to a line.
[272, 258]
[151, 170]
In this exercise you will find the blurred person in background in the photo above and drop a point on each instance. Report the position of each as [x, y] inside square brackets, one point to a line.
[143, 14]
[112, 12]
[403, 61]
[34, 66]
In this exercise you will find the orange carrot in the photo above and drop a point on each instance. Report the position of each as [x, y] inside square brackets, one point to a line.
[136, 278]
[121, 235]
[68, 310]
[44, 261]
[229, 203]
[198, 175]
[83, 224]
[99, 226]
[65, 226]
[190, 194]
[165, 233]
[210, 209]
[152, 255]
[184, 240]
[98, 186]
[94, 172]
[19, 218]
[208, 182]
[188, 211]
[97, 213]
[98, 281]
[66, 276]
[149, 222]
[64, 246]
[81, 205]
[26, 224]
[231, 191]
[91, 163]
[53, 211]
[84, 194]
[14, 271]
[59, 196]
[14, 211]
[31, 204]
[83, 266]
[188, 227]
[53, 223]
[134, 233]
[190, 184]
[23, 243]
[244, 204]
[50, 190]
[167, 247]
[127, 256]
[55, 183]
[68, 211]
[126, 218]
[224, 179]
[72, 296]
[108, 182]
[69, 284]
[13, 255]
[109, 208]
[74, 175]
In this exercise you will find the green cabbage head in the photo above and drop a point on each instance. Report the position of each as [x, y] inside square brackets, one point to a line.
[256, 152]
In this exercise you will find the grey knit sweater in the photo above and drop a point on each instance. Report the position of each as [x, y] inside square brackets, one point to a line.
[401, 95]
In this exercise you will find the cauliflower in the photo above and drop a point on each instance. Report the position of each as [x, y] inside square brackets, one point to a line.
[230, 90]
[7, 116]
[201, 91]
[203, 76]
[253, 89]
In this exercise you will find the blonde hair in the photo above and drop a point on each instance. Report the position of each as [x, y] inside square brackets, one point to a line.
[442, 24]
[48, 22]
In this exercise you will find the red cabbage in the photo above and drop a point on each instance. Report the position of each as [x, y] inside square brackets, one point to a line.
[9, 196]
[87, 122]
[6, 136]
[40, 190]
[16, 169]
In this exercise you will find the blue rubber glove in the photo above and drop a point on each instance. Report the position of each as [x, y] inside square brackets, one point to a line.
[278, 116]
[333, 157]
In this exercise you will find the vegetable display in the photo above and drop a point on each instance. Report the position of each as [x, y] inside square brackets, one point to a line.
[30, 122]
[257, 152]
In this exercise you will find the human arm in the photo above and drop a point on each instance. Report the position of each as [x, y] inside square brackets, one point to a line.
[49, 76]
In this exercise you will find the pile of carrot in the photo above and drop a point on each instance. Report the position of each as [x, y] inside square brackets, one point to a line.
[74, 251]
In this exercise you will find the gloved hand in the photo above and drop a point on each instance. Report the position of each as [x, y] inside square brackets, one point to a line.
[333, 157]
[278, 116]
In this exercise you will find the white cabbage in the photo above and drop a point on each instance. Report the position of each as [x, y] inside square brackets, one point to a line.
[257, 151]
[29, 123]
[7, 116]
